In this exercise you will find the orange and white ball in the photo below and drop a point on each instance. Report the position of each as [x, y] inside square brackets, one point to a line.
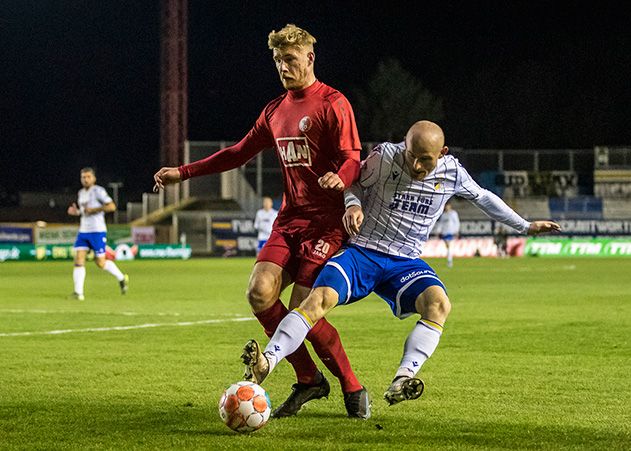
[245, 407]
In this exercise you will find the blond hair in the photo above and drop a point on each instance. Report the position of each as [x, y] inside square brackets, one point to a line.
[290, 35]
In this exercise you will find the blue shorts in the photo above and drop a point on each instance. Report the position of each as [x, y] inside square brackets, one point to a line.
[355, 272]
[92, 240]
[261, 244]
[447, 237]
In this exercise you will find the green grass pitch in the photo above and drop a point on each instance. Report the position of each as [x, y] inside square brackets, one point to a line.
[536, 354]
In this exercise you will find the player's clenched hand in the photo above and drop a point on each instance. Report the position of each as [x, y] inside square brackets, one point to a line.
[352, 219]
[73, 210]
[331, 180]
[538, 227]
[165, 176]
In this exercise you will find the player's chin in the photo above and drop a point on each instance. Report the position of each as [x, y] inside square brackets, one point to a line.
[289, 83]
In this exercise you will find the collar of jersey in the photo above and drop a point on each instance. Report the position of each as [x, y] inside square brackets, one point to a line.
[302, 93]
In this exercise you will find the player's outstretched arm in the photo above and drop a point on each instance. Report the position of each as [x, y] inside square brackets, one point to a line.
[538, 227]
[353, 219]
[166, 176]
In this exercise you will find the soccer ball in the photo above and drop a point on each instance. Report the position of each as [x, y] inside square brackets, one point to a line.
[245, 407]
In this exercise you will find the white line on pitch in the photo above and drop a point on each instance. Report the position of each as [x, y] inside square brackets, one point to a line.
[63, 312]
[109, 329]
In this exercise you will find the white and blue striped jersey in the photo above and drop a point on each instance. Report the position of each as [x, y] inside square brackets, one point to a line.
[93, 197]
[400, 212]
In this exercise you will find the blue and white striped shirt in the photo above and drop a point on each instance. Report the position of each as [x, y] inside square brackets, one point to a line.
[400, 212]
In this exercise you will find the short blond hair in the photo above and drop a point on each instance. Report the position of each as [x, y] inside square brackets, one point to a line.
[290, 35]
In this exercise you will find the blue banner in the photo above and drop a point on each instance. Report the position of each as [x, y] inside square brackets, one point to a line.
[16, 235]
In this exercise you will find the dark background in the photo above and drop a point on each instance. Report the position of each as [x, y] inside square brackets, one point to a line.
[80, 79]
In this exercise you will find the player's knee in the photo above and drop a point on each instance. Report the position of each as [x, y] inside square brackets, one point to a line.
[100, 262]
[444, 306]
[434, 304]
[440, 307]
[260, 295]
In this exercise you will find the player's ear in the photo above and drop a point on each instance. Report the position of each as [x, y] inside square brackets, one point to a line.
[443, 151]
[311, 57]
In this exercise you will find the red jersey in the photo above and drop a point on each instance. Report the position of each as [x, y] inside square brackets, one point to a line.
[313, 131]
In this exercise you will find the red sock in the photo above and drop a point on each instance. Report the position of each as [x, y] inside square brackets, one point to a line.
[303, 364]
[328, 345]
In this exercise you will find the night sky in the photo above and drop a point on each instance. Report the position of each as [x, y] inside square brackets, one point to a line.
[80, 79]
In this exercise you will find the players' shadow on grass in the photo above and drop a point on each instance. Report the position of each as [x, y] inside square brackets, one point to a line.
[316, 414]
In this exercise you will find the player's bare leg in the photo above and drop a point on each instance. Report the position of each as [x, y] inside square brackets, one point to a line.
[267, 281]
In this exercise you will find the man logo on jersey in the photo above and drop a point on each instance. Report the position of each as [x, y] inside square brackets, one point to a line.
[305, 124]
[294, 151]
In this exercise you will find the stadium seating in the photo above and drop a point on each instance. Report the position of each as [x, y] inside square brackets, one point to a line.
[531, 207]
[580, 207]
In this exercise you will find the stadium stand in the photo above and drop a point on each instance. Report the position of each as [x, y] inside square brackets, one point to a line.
[531, 207]
[616, 209]
[579, 207]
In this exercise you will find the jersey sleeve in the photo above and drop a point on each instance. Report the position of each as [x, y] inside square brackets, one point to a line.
[257, 139]
[466, 187]
[103, 197]
[344, 137]
[343, 128]
[489, 203]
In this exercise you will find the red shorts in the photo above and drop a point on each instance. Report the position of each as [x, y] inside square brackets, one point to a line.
[302, 247]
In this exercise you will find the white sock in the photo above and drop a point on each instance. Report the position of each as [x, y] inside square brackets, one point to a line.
[289, 335]
[450, 255]
[78, 276]
[419, 346]
[111, 267]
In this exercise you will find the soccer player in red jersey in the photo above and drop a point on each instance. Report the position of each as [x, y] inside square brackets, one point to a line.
[312, 127]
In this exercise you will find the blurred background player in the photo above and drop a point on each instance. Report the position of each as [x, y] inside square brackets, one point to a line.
[93, 203]
[390, 211]
[448, 228]
[500, 237]
[263, 222]
[312, 127]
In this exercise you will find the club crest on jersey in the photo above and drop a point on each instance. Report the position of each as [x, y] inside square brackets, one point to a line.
[294, 151]
[305, 124]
